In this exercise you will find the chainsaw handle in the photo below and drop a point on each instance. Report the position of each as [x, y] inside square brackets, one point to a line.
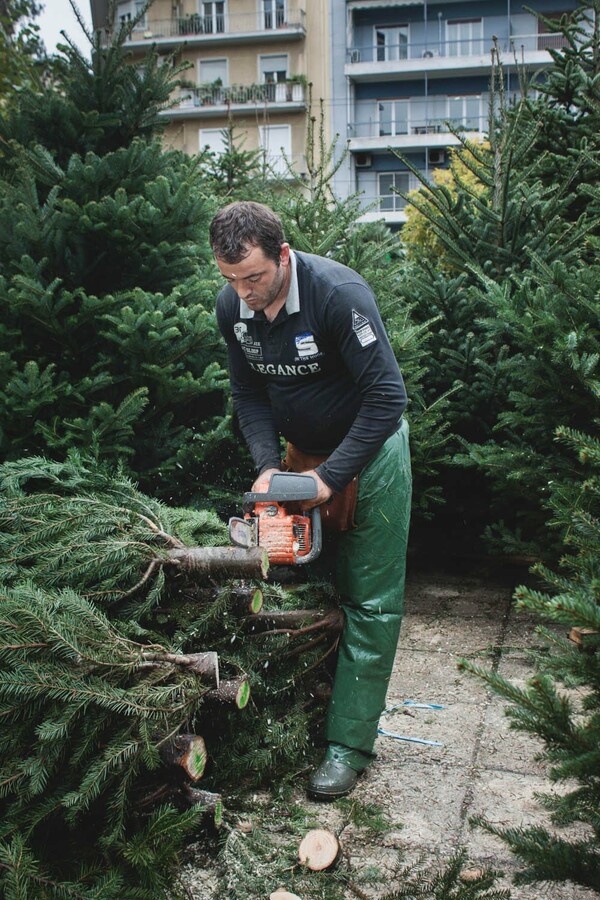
[316, 537]
[283, 488]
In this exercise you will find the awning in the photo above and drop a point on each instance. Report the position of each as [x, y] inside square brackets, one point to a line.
[376, 4]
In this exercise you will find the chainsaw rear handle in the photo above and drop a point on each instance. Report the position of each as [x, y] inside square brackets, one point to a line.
[283, 488]
[316, 537]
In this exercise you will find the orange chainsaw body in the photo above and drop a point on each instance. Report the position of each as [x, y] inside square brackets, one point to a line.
[290, 538]
[285, 536]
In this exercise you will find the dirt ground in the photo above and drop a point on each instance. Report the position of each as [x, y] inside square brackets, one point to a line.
[469, 764]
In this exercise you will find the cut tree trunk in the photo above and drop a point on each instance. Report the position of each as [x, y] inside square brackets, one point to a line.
[211, 803]
[319, 850]
[205, 665]
[232, 562]
[187, 751]
[242, 601]
[247, 599]
[236, 690]
[296, 620]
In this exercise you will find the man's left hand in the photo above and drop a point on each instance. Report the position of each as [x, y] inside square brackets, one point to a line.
[324, 492]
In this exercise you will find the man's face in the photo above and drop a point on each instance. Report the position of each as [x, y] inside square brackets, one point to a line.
[258, 280]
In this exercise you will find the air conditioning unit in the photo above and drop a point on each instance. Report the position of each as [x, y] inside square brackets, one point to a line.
[429, 54]
[355, 56]
[363, 160]
[436, 157]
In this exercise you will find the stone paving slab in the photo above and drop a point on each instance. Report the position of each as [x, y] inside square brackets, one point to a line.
[430, 793]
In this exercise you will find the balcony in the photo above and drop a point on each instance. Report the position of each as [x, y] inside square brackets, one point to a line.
[413, 133]
[472, 55]
[230, 28]
[207, 101]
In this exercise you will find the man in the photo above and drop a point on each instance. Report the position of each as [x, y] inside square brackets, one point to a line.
[309, 359]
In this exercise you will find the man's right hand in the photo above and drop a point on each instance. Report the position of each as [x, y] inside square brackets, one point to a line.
[261, 485]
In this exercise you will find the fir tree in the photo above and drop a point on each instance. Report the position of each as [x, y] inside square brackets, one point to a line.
[561, 703]
[517, 340]
[108, 341]
[108, 656]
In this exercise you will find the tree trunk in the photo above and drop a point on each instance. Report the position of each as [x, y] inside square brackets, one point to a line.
[187, 751]
[212, 803]
[296, 620]
[229, 562]
[205, 665]
[237, 691]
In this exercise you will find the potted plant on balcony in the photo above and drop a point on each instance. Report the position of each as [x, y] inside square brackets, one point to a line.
[296, 85]
[191, 24]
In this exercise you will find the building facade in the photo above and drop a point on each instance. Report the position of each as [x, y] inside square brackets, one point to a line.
[251, 62]
[402, 70]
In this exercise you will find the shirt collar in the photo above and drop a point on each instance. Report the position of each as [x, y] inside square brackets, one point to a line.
[292, 302]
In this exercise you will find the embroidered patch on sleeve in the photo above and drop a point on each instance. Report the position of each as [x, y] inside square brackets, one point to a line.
[362, 329]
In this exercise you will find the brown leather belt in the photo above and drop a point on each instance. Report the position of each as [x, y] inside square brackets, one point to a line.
[338, 513]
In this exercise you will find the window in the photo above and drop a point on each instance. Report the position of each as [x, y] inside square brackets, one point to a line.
[465, 112]
[129, 10]
[213, 18]
[273, 13]
[393, 117]
[273, 68]
[211, 70]
[276, 143]
[213, 139]
[391, 42]
[388, 183]
[465, 37]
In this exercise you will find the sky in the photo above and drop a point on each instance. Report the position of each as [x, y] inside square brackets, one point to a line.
[57, 15]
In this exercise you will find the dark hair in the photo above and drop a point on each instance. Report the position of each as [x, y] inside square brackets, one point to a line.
[240, 226]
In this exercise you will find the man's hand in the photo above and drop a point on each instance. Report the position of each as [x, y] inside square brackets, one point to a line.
[261, 485]
[323, 494]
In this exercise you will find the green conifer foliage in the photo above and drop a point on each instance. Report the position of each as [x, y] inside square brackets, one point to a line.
[97, 104]
[516, 297]
[98, 673]
[561, 703]
[107, 340]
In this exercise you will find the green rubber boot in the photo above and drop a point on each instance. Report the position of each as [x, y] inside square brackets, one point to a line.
[338, 773]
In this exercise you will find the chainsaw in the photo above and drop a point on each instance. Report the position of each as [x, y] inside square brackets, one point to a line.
[289, 538]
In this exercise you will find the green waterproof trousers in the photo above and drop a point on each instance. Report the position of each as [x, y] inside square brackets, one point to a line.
[370, 573]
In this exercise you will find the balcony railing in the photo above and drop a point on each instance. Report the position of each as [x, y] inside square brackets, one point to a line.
[415, 127]
[242, 94]
[231, 24]
[459, 49]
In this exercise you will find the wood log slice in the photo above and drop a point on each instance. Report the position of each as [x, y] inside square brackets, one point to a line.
[319, 850]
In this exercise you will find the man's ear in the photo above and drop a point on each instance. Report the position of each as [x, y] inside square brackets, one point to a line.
[284, 255]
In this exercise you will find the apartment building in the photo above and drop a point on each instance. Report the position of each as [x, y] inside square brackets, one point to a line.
[402, 70]
[251, 62]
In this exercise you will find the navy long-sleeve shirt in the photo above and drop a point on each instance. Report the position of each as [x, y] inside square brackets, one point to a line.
[322, 374]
